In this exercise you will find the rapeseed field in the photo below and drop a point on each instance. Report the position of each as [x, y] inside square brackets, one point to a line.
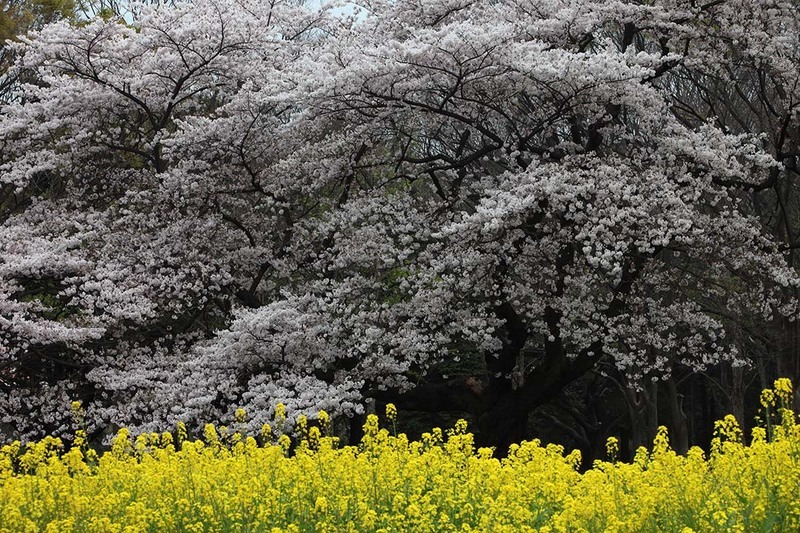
[229, 481]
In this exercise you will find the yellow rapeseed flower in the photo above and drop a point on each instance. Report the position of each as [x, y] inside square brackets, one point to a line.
[612, 447]
[783, 389]
[389, 483]
[280, 413]
[767, 398]
[181, 431]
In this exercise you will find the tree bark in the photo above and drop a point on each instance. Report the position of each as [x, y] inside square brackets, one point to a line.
[500, 368]
[789, 357]
[500, 424]
[499, 428]
[679, 432]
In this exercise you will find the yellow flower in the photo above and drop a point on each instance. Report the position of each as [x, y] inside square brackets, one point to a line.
[759, 434]
[80, 438]
[181, 430]
[371, 426]
[284, 442]
[280, 413]
[440, 483]
[321, 504]
[240, 416]
[728, 429]
[210, 433]
[314, 436]
[391, 412]
[783, 389]
[767, 398]
[120, 444]
[612, 447]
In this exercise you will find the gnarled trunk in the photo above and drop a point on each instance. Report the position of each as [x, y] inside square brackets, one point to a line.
[679, 431]
[508, 425]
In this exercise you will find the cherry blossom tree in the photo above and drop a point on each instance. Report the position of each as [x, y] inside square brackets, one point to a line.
[563, 200]
[752, 90]
[18, 17]
[234, 204]
[143, 200]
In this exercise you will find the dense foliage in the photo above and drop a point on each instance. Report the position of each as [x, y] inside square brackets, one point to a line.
[442, 483]
[227, 203]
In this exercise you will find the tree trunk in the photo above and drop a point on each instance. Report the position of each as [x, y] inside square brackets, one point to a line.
[679, 432]
[737, 391]
[503, 379]
[643, 414]
[499, 429]
[789, 357]
[457, 394]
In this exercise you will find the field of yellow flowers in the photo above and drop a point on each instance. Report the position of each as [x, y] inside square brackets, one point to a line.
[232, 482]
